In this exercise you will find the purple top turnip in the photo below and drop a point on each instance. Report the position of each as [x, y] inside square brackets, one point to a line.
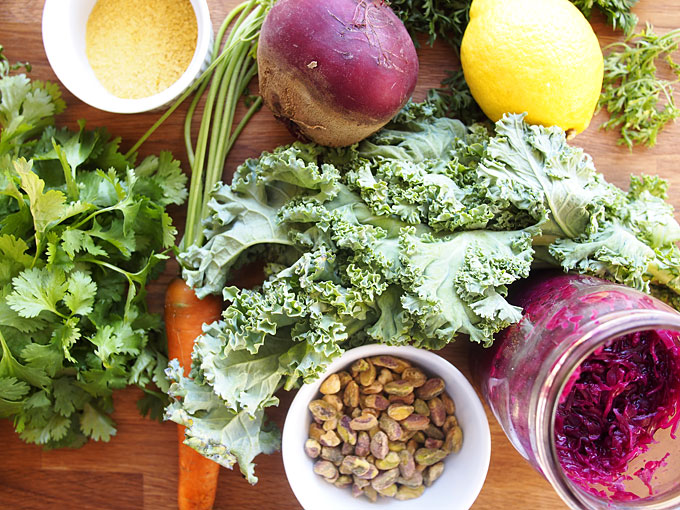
[335, 71]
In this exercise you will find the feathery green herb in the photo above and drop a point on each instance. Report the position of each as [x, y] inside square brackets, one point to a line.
[449, 18]
[617, 12]
[455, 100]
[639, 102]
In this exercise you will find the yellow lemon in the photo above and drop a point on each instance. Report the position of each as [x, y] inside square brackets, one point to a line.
[535, 56]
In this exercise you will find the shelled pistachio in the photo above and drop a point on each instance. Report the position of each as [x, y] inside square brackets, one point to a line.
[382, 428]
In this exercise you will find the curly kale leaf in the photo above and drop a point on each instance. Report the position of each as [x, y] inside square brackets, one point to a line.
[212, 429]
[589, 225]
[412, 236]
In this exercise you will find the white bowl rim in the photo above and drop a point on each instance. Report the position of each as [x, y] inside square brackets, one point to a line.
[420, 357]
[52, 32]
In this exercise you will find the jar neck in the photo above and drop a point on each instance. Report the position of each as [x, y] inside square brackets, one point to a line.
[557, 371]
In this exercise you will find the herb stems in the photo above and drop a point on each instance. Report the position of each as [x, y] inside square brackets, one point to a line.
[222, 84]
[632, 91]
[215, 137]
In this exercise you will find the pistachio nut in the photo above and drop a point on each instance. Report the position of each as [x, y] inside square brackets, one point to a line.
[427, 456]
[437, 411]
[367, 376]
[332, 453]
[362, 448]
[331, 424]
[316, 431]
[364, 422]
[379, 445]
[400, 387]
[347, 448]
[329, 438]
[322, 410]
[405, 493]
[415, 422]
[403, 399]
[344, 378]
[415, 376]
[421, 407]
[407, 464]
[350, 396]
[312, 448]
[432, 473]
[344, 430]
[433, 444]
[389, 491]
[353, 465]
[371, 493]
[434, 432]
[450, 422]
[415, 480]
[331, 385]
[449, 405]
[335, 401]
[385, 376]
[385, 479]
[343, 481]
[432, 388]
[373, 388]
[361, 482]
[326, 469]
[376, 402]
[454, 440]
[391, 427]
[390, 461]
[370, 473]
[360, 365]
[399, 411]
[397, 365]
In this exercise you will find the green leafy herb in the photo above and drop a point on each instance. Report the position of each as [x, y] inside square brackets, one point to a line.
[82, 231]
[410, 237]
[436, 18]
[617, 12]
[640, 103]
[448, 19]
[455, 100]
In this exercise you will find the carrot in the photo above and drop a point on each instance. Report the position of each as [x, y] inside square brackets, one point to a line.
[184, 318]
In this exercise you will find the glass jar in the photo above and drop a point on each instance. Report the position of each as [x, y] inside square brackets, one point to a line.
[522, 377]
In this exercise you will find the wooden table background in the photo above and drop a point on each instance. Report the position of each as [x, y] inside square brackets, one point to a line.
[138, 468]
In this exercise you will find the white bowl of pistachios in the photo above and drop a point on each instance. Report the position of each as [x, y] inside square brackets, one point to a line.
[387, 425]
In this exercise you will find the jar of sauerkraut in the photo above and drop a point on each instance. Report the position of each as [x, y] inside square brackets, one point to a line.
[587, 389]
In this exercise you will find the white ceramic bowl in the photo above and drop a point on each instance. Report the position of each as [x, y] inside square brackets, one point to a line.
[63, 32]
[464, 472]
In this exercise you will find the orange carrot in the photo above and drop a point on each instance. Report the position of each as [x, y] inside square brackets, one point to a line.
[184, 318]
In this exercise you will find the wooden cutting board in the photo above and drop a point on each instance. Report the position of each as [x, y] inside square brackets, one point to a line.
[138, 468]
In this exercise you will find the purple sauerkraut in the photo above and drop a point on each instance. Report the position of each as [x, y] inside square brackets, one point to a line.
[612, 407]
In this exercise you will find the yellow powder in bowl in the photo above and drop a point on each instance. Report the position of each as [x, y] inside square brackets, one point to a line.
[138, 48]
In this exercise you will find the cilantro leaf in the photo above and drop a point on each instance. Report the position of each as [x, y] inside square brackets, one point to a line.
[81, 293]
[12, 388]
[82, 232]
[37, 290]
[95, 424]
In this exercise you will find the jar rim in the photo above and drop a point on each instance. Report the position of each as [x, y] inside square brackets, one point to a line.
[547, 394]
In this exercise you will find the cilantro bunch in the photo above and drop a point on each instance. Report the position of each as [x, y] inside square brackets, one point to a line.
[82, 232]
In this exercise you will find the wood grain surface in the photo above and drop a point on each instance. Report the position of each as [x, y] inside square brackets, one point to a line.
[138, 468]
